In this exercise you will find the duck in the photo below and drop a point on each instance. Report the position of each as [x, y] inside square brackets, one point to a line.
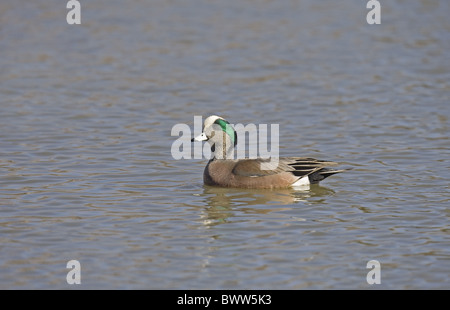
[224, 170]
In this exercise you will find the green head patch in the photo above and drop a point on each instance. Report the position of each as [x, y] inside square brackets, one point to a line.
[228, 129]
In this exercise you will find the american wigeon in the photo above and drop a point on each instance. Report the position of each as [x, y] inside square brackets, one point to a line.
[224, 171]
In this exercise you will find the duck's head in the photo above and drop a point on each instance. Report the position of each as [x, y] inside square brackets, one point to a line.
[220, 135]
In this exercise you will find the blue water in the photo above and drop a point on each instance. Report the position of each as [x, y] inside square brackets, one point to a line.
[87, 173]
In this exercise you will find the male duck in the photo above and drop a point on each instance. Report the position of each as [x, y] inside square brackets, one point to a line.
[223, 171]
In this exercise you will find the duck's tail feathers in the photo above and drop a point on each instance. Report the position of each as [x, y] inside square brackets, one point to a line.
[324, 173]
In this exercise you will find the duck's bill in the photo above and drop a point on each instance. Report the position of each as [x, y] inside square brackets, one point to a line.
[201, 137]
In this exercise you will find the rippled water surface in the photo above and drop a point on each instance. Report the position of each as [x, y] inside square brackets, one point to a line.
[86, 113]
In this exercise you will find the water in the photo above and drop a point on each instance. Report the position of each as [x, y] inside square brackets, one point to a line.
[87, 173]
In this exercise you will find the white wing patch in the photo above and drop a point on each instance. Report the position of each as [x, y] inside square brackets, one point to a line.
[301, 182]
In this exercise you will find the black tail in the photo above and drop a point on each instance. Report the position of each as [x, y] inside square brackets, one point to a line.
[316, 170]
[322, 174]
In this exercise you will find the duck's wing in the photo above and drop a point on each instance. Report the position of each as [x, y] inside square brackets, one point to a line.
[298, 166]
[261, 167]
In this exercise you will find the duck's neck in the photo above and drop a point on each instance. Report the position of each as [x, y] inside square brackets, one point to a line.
[223, 150]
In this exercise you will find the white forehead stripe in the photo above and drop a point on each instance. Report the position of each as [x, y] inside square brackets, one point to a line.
[210, 120]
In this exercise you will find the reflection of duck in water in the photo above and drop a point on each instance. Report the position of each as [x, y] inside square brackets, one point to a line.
[255, 173]
[230, 197]
[222, 202]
